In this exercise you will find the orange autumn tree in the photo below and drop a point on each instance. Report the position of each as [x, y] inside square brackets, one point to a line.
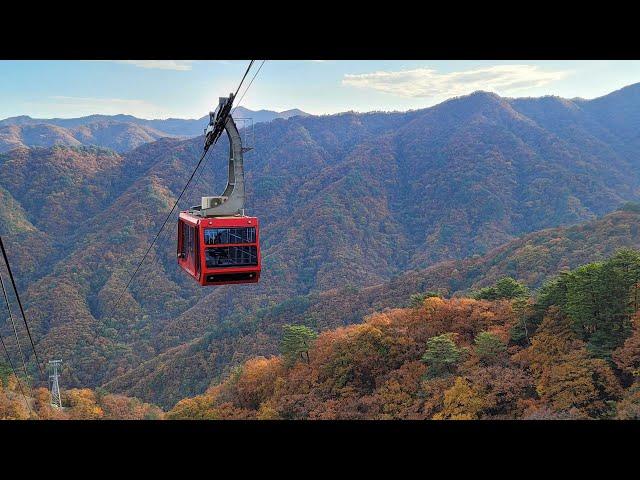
[201, 407]
[120, 407]
[628, 408]
[256, 384]
[627, 357]
[567, 378]
[461, 402]
[81, 404]
[371, 370]
[456, 358]
[12, 403]
[42, 406]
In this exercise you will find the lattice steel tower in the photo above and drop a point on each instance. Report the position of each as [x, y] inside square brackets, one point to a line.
[54, 385]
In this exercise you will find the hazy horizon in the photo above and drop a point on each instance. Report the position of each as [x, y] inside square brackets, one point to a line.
[162, 89]
[67, 117]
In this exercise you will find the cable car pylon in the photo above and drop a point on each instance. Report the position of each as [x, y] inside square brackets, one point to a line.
[54, 384]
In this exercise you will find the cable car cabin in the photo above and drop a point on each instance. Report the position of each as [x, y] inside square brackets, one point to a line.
[219, 250]
[217, 243]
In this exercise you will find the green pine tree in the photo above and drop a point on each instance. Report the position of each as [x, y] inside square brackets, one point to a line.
[442, 354]
[295, 344]
[489, 347]
[505, 288]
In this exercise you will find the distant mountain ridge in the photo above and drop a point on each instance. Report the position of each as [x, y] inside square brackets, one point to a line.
[27, 131]
[118, 136]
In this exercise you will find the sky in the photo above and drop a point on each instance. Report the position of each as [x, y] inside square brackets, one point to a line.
[189, 89]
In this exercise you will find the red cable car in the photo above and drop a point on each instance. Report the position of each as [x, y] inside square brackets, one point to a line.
[217, 243]
[219, 250]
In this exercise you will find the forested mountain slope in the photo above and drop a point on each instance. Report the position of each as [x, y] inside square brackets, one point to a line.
[118, 136]
[240, 334]
[349, 199]
[557, 356]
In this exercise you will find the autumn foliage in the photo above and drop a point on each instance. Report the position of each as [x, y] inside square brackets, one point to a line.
[79, 404]
[451, 359]
[441, 358]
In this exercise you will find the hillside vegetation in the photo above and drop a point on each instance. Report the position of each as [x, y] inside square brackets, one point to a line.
[79, 404]
[242, 334]
[356, 209]
[117, 136]
[569, 351]
[565, 354]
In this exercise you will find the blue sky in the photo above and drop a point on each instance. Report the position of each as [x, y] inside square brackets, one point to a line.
[189, 89]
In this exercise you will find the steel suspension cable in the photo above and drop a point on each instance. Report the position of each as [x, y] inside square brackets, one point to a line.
[15, 374]
[199, 180]
[13, 324]
[248, 86]
[117, 302]
[24, 316]
[243, 77]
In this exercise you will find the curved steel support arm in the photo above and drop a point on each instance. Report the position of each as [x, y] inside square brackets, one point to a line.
[231, 202]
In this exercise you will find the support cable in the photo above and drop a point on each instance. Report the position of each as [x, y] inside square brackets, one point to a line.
[248, 86]
[13, 324]
[24, 317]
[15, 374]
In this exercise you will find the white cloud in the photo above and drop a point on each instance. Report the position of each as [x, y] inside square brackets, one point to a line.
[180, 65]
[65, 106]
[426, 82]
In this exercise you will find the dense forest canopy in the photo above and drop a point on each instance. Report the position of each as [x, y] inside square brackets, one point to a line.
[556, 354]
[559, 354]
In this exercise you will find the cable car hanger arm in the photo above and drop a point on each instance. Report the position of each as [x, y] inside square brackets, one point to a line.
[231, 202]
[217, 120]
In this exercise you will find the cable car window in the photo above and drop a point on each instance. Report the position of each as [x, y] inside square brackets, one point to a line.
[231, 256]
[187, 249]
[194, 243]
[182, 252]
[216, 236]
[191, 250]
[188, 246]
